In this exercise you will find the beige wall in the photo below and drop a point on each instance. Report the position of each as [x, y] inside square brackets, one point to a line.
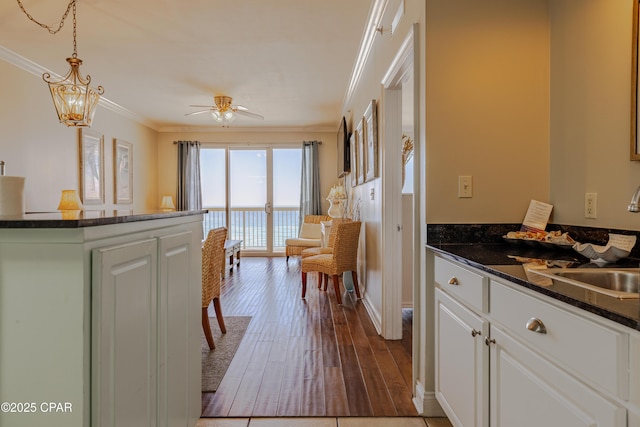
[35, 145]
[487, 111]
[590, 112]
[167, 154]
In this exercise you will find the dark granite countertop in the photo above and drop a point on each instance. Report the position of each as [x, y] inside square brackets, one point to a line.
[87, 218]
[507, 261]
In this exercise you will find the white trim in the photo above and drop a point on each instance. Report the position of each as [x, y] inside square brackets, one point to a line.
[426, 402]
[374, 314]
[38, 70]
[391, 115]
[255, 129]
[368, 37]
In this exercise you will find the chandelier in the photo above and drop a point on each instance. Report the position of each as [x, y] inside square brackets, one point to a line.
[75, 101]
[224, 113]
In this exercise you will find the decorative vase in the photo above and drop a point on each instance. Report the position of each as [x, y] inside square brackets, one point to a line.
[336, 209]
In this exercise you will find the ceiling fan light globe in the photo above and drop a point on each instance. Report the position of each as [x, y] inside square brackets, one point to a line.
[229, 116]
[216, 116]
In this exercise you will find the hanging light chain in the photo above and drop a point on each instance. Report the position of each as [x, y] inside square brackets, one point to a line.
[60, 25]
[75, 45]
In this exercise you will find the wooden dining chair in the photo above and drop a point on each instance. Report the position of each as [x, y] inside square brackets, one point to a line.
[212, 263]
[344, 257]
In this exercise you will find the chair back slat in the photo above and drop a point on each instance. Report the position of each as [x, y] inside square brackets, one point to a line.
[345, 250]
[212, 264]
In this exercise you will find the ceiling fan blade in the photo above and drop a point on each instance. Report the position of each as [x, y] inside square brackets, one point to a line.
[240, 107]
[249, 114]
[197, 112]
[203, 106]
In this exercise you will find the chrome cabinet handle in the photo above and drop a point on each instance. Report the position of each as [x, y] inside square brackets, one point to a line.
[536, 325]
[489, 341]
[454, 281]
[475, 333]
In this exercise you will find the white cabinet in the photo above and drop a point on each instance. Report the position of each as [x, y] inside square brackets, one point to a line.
[142, 330]
[575, 374]
[103, 319]
[125, 334]
[462, 361]
[528, 391]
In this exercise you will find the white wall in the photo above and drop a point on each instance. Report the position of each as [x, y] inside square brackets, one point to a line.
[590, 112]
[167, 152]
[35, 145]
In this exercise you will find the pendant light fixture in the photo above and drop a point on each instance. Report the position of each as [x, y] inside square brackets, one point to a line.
[75, 101]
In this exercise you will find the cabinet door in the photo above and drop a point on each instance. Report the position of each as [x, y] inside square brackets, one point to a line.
[178, 355]
[124, 335]
[528, 391]
[461, 363]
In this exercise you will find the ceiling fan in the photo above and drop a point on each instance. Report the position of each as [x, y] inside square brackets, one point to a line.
[224, 111]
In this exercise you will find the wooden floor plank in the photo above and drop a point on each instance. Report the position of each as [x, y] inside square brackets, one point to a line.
[308, 357]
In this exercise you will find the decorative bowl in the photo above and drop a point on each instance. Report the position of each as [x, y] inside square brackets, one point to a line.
[600, 254]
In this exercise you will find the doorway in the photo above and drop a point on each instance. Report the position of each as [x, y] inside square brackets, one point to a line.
[399, 212]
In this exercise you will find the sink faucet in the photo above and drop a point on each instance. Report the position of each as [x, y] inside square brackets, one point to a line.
[633, 206]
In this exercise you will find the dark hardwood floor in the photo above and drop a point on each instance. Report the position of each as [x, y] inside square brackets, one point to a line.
[307, 357]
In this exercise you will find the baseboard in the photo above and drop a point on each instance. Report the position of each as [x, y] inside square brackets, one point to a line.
[374, 314]
[426, 402]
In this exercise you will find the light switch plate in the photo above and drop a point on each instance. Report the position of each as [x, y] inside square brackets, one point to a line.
[465, 186]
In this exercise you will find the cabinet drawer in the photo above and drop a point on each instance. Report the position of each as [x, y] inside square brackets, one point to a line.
[593, 351]
[471, 288]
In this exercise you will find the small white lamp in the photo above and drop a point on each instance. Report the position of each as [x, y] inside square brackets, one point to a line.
[167, 204]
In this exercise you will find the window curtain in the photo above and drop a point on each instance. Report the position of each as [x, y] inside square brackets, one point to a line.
[310, 199]
[189, 193]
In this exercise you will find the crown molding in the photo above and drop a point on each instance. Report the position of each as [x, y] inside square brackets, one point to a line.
[368, 38]
[247, 129]
[31, 67]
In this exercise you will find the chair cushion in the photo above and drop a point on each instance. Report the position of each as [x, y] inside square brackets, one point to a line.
[310, 231]
[307, 243]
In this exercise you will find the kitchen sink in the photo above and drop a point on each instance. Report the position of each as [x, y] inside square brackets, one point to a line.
[617, 282]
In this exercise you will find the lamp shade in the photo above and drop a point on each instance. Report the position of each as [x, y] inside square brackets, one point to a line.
[337, 193]
[167, 203]
[70, 201]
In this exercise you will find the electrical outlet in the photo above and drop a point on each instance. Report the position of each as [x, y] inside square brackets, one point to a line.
[465, 187]
[591, 205]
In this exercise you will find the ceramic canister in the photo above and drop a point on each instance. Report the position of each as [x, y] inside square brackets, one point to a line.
[11, 195]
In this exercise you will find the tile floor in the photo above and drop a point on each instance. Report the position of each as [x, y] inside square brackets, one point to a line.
[325, 422]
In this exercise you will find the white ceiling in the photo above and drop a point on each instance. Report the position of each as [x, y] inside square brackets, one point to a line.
[288, 60]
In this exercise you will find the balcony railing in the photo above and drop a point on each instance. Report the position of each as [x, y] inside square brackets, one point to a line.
[250, 225]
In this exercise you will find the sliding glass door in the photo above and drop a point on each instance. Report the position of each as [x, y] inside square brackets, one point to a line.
[254, 192]
[249, 201]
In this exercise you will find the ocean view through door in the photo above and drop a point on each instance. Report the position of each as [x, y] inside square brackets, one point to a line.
[254, 192]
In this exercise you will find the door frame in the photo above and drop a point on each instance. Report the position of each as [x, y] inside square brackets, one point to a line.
[404, 64]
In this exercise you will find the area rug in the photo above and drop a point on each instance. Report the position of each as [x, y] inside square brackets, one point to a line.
[216, 362]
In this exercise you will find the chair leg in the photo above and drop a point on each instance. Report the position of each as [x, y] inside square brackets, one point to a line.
[287, 259]
[218, 308]
[354, 276]
[336, 286]
[207, 328]
[320, 277]
[304, 284]
[325, 277]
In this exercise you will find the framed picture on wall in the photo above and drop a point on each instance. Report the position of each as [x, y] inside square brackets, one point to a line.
[371, 133]
[362, 151]
[91, 150]
[354, 158]
[122, 171]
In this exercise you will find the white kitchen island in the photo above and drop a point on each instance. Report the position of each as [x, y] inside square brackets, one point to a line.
[100, 319]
